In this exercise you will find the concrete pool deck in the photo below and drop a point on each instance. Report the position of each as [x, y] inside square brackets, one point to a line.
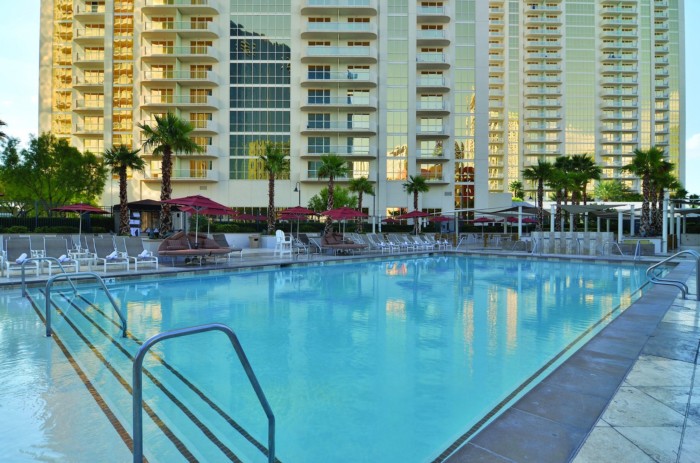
[627, 395]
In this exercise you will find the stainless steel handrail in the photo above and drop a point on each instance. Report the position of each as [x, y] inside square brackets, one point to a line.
[65, 276]
[137, 383]
[654, 278]
[38, 259]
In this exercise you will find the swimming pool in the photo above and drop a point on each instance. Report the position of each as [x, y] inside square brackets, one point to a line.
[377, 361]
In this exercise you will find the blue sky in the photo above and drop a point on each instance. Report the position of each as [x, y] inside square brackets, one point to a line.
[19, 77]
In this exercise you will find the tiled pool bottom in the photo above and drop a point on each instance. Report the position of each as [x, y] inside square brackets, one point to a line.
[42, 416]
[654, 415]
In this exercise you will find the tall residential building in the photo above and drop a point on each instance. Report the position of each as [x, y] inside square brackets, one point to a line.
[467, 93]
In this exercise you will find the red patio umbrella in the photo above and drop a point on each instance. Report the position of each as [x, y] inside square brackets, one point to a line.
[257, 218]
[440, 218]
[343, 213]
[529, 220]
[198, 203]
[296, 213]
[412, 215]
[80, 208]
[390, 220]
[210, 211]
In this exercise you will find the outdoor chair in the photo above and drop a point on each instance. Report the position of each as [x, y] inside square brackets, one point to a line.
[220, 239]
[283, 244]
[58, 249]
[105, 252]
[17, 250]
[131, 248]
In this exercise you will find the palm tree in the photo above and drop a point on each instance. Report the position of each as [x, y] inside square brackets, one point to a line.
[275, 163]
[662, 180]
[170, 134]
[361, 186]
[119, 159]
[539, 174]
[644, 164]
[3, 135]
[332, 166]
[559, 182]
[416, 184]
[586, 170]
[516, 187]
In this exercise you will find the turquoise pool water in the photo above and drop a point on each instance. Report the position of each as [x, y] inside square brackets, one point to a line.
[381, 361]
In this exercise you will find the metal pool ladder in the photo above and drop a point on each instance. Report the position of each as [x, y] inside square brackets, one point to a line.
[655, 278]
[137, 383]
[67, 276]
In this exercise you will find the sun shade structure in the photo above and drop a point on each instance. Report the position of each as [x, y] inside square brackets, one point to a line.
[80, 208]
[197, 203]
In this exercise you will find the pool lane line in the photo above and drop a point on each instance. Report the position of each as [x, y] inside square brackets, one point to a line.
[97, 397]
[495, 410]
[151, 413]
[225, 416]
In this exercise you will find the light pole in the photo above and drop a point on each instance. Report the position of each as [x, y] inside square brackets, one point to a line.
[297, 189]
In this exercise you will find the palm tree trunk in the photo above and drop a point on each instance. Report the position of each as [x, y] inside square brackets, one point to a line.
[123, 208]
[359, 207]
[416, 223]
[540, 206]
[166, 220]
[644, 228]
[328, 228]
[271, 204]
[557, 215]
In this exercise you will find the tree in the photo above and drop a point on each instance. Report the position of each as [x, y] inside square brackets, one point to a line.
[415, 185]
[584, 169]
[613, 190]
[169, 135]
[275, 162]
[662, 180]
[341, 198]
[516, 187]
[644, 164]
[332, 166]
[119, 159]
[361, 186]
[3, 136]
[558, 182]
[50, 173]
[539, 174]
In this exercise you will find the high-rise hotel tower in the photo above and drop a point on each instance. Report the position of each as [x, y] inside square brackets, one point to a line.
[467, 93]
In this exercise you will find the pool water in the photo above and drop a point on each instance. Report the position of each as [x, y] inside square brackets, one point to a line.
[361, 362]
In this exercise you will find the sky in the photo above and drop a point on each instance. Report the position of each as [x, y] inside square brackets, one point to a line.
[19, 78]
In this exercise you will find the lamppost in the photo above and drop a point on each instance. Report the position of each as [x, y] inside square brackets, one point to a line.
[297, 189]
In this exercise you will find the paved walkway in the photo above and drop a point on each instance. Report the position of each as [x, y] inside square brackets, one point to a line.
[655, 414]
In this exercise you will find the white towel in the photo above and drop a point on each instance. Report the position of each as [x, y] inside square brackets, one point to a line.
[63, 258]
[144, 253]
[21, 258]
[112, 256]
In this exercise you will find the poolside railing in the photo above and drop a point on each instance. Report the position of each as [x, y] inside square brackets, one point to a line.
[655, 278]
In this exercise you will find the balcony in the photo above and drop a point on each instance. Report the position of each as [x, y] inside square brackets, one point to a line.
[343, 7]
[542, 19]
[432, 108]
[432, 37]
[612, 47]
[312, 177]
[356, 152]
[191, 53]
[89, 106]
[432, 83]
[198, 29]
[535, 44]
[542, 102]
[432, 60]
[185, 176]
[88, 84]
[188, 7]
[620, 91]
[89, 60]
[89, 13]
[542, 55]
[616, 33]
[661, 37]
[622, 103]
[432, 14]
[89, 129]
[661, 83]
[432, 133]
[354, 103]
[355, 78]
[183, 77]
[432, 154]
[541, 79]
[542, 31]
[340, 30]
[543, 127]
[542, 67]
[541, 138]
[619, 127]
[350, 127]
[619, 115]
[543, 90]
[153, 102]
[542, 114]
[89, 36]
[333, 54]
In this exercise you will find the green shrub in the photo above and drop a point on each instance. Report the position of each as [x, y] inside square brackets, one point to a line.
[100, 230]
[224, 228]
[17, 229]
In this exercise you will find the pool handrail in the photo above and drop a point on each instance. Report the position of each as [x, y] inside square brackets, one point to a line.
[137, 383]
[39, 259]
[66, 276]
[654, 278]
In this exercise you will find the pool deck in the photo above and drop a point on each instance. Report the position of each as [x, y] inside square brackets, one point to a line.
[628, 395]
